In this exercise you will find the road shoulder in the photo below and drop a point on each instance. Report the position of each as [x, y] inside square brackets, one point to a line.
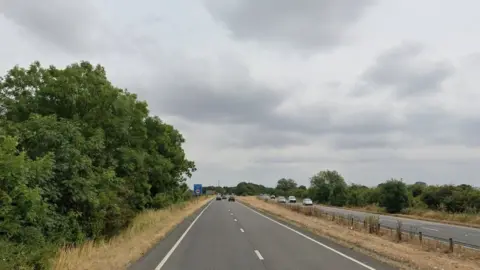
[370, 259]
[152, 258]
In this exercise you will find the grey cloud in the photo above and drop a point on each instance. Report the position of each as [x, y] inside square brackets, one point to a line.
[244, 102]
[367, 121]
[401, 70]
[308, 24]
[222, 92]
[263, 138]
[69, 24]
[366, 157]
[435, 125]
[368, 171]
[197, 101]
[371, 141]
[231, 97]
[78, 27]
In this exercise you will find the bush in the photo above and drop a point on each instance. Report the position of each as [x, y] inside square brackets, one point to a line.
[394, 196]
[79, 158]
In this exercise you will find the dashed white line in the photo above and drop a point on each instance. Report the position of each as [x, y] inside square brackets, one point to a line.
[258, 255]
[235, 219]
[311, 239]
[231, 214]
[435, 230]
[170, 252]
[242, 230]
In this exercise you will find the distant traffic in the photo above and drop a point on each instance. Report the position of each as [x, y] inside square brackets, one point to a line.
[291, 199]
[229, 197]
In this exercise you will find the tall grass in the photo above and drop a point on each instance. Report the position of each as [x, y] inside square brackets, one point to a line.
[391, 245]
[117, 253]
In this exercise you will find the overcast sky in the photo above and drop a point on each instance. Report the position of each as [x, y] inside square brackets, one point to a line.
[267, 89]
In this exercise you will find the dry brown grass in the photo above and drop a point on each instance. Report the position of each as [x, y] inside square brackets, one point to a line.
[461, 219]
[146, 230]
[408, 253]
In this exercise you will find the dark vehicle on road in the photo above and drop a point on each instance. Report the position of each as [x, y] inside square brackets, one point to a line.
[219, 198]
[231, 198]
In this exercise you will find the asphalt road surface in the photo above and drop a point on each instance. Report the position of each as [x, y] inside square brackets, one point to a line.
[229, 235]
[469, 237]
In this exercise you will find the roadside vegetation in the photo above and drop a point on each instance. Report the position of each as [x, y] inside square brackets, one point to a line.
[457, 204]
[146, 229]
[79, 160]
[392, 246]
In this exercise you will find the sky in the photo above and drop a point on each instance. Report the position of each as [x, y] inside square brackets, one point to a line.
[261, 90]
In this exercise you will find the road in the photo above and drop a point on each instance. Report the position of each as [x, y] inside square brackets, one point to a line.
[229, 235]
[465, 236]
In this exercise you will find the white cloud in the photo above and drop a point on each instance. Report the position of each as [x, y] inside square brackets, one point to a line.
[382, 89]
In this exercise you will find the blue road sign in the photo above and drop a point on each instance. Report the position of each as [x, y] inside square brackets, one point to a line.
[197, 189]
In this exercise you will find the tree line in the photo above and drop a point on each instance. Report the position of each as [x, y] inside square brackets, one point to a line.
[79, 158]
[394, 196]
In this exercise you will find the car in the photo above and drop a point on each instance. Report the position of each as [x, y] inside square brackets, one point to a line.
[272, 197]
[281, 199]
[292, 199]
[219, 198]
[231, 198]
[307, 201]
[224, 197]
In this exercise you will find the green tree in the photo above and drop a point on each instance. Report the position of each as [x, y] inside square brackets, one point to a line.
[286, 185]
[87, 157]
[417, 188]
[300, 193]
[357, 195]
[24, 214]
[328, 187]
[394, 195]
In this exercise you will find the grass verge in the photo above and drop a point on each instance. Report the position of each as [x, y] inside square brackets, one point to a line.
[460, 219]
[404, 254]
[117, 253]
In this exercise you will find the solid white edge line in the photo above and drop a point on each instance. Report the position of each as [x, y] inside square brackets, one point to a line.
[242, 230]
[311, 239]
[258, 254]
[170, 252]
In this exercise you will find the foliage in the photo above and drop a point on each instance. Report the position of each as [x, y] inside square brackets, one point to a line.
[244, 188]
[329, 187]
[79, 158]
[285, 186]
[394, 196]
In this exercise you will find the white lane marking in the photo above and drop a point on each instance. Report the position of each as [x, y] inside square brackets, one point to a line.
[313, 240]
[430, 229]
[170, 252]
[258, 254]
[228, 210]
[242, 230]
[231, 214]
[235, 219]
